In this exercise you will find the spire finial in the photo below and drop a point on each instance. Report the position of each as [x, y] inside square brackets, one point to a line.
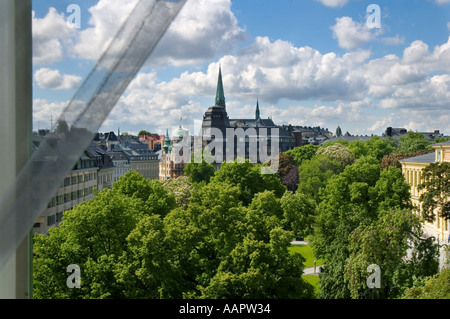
[257, 113]
[220, 96]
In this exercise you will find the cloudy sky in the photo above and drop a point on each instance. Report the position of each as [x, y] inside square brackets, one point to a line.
[309, 62]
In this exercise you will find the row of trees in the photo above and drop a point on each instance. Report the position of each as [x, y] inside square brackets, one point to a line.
[365, 215]
[227, 238]
[226, 233]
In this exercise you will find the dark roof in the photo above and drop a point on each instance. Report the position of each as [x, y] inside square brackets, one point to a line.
[117, 156]
[426, 158]
[252, 122]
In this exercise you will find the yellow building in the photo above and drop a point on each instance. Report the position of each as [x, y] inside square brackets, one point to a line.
[412, 171]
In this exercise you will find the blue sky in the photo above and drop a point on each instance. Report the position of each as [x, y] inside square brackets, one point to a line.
[310, 62]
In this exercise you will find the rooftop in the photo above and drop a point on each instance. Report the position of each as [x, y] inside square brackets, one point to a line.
[426, 158]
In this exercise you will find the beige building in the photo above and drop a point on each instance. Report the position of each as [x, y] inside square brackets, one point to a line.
[146, 165]
[93, 170]
[77, 187]
[412, 171]
[140, 159]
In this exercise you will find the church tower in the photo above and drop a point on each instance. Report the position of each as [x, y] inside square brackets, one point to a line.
[167, 142]
[216, 116]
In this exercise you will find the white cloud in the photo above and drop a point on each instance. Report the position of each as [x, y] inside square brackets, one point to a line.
[272, 70]
[416, 80]
[52, 79]
[396, 40]
[351, 34]
[50, 34]
[442, 1]
[201, 31]
[433, 93]
[106, 18]
[333, 3]
[343, 87]
[46, 114]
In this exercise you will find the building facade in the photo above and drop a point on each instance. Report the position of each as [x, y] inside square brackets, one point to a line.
[121, 165]
[140, 158]
[77, 187]
[173, 161]
[412, 171]
[255, 138]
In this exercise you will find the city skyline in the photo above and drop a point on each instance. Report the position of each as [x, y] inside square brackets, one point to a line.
[313, 63]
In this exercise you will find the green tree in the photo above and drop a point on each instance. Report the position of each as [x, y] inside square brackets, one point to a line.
[338, 131]
[337, 152]
[285, 163]
[248, 178]
[314, 174]
[436, 191]
[356, 197]
[92, 236]
[181, 188]
[385, 243]
[156, 199]
[376, 147]
[132, 241]
[436, 287]
[442, 139]
[299, 213]
[413, 142]
[198, 169]
[144, 132]
[255, 269]
[303, 153]
[62, 127]
[263, 214]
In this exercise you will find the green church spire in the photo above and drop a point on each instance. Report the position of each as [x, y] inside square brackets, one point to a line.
[257, 114]
[220, 95]
[167, 139]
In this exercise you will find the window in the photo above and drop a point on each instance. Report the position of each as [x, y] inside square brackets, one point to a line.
[67, 181]
[59, 217]
[51, 220]
[60, 200]
[52, 202]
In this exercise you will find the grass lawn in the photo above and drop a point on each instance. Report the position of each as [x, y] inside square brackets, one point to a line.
[307, 253]
[314, 281]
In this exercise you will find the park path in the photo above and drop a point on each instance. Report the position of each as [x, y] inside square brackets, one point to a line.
[310, 270]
